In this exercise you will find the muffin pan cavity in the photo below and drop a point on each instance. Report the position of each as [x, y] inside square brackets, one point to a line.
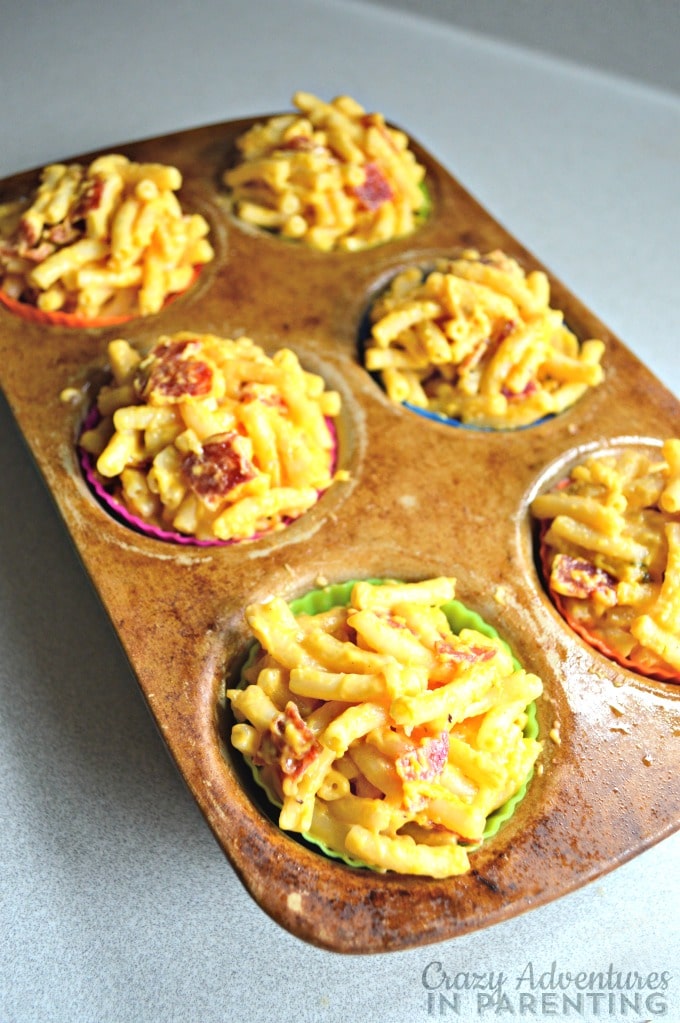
[421, 501]
[465, 640]
[145, 459]
[471, 339]
[102, 242]
[330, 176]
[602, 571]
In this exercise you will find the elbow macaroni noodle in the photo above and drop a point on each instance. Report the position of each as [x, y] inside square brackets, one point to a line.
[384, 733]
[611, 551]
[476, 340]
[107, 240]
[211, 438]
[330, 175]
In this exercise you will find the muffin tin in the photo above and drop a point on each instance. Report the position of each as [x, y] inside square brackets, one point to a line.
[424, 499]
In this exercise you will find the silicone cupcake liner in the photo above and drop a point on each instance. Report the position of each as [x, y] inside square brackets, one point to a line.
[431, 414]
[459, 617]
[439, 417]
[58, 318]
[420, 220]
[658, 672]
[120, 511]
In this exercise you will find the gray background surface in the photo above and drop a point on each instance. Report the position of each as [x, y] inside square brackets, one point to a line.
[635, 39]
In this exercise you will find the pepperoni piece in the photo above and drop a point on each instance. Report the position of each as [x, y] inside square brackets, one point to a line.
[292, 742]
[218, 469]
[450, 660]
[91, 199]
[425, 762]
[175, 374]
[297, 144]
[576, 577]
[64, 233]
[267, 394]
[530, 389]
[375, 189]
[470, 654]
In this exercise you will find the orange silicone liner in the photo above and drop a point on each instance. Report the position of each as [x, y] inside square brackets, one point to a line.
[60, 319]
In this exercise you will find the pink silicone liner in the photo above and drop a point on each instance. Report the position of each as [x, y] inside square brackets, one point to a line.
[119, 510]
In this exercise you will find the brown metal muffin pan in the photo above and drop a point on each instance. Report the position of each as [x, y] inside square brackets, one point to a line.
[424, 499]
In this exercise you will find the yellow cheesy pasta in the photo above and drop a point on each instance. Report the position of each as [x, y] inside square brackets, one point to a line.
[610, 549]
[476, 340]
[109, 240]
[330, 175]
[387, 722]
[211, 438]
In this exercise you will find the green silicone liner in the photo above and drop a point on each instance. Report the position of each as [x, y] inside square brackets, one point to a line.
[420, 217]
[459, 617]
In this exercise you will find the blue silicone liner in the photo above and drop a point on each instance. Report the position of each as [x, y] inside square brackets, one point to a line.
[439, 417]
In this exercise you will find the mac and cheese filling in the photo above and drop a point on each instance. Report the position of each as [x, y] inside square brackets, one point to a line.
[476, 340]
[330, 175]
[385, 734]
[611, 554]
[106, 240]
[211, 438]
